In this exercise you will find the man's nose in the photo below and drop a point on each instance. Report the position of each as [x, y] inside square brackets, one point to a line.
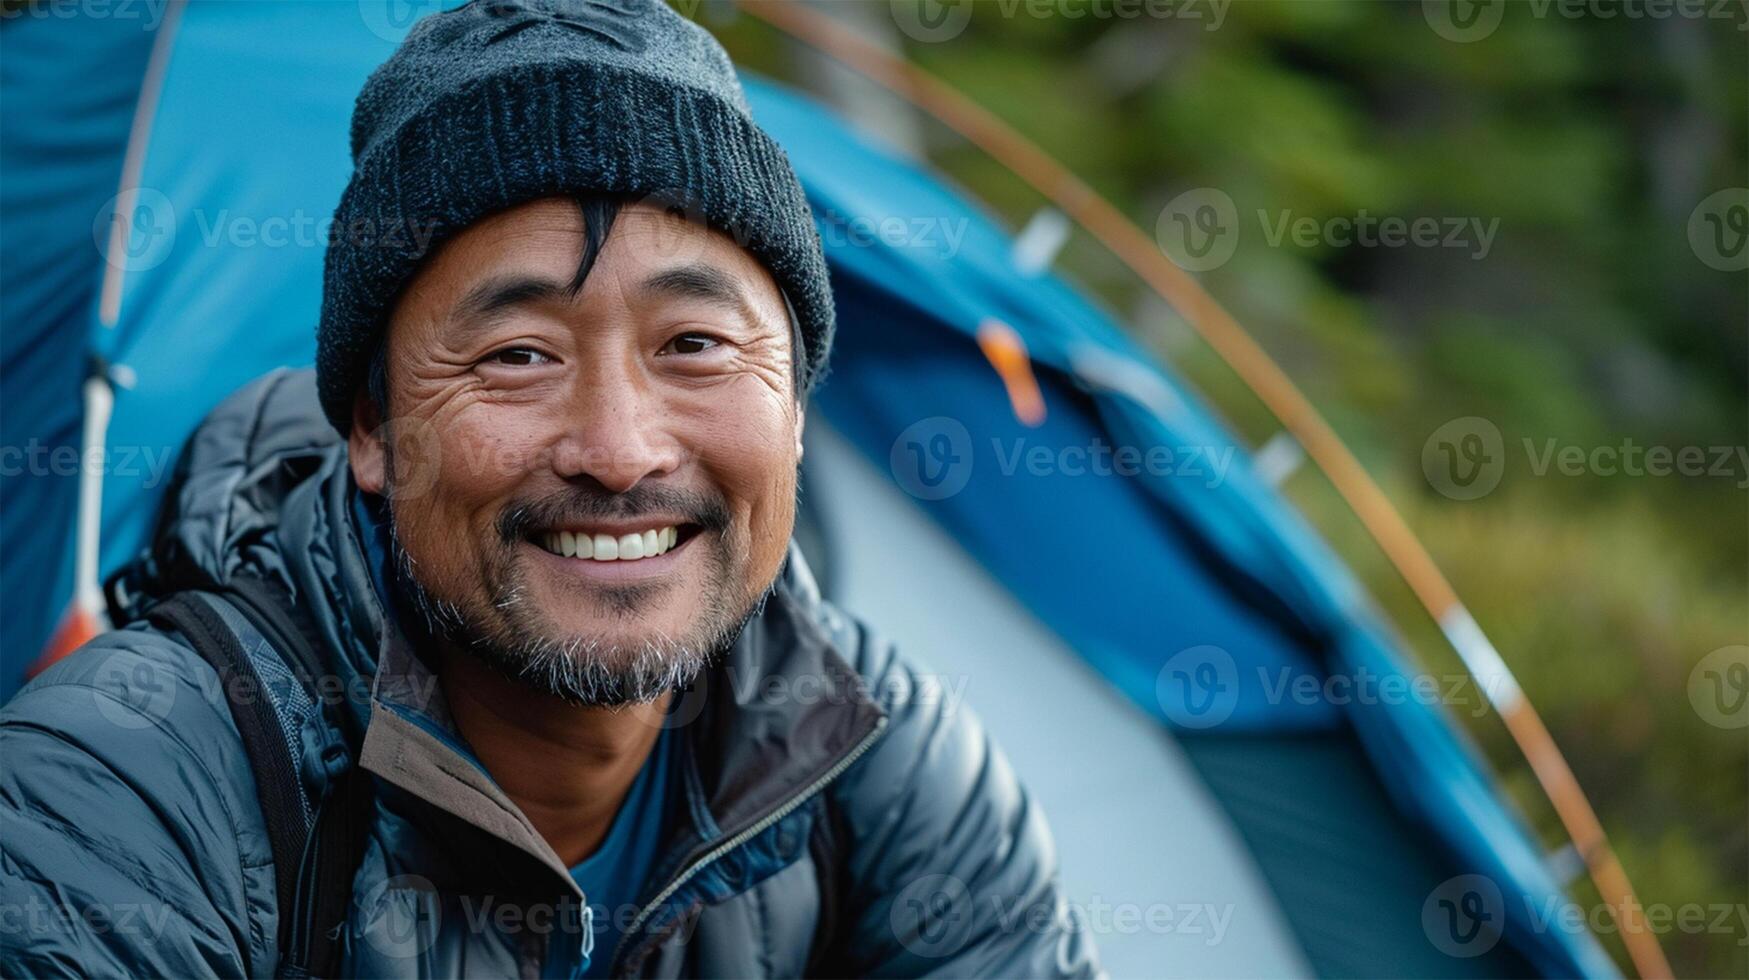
[617, 432]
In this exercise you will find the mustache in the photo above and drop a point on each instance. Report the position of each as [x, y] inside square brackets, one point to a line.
[580, 504]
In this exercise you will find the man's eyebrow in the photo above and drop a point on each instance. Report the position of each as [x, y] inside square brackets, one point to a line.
[701, 281]
[503, 292]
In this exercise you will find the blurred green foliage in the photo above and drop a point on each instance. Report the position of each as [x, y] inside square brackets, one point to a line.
[1591, 139]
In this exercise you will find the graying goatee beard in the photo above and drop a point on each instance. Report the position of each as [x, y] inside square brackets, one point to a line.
[573, 669]
[579, 671]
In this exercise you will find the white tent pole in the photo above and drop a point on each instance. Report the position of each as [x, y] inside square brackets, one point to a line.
[99, 403]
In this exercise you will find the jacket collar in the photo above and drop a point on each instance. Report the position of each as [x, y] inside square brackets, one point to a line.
[781, 710]
[411, 742]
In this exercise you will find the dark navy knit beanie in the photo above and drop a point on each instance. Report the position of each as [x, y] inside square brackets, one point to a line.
[502, 102]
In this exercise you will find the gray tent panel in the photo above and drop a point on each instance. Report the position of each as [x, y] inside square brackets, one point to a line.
[1136, 827]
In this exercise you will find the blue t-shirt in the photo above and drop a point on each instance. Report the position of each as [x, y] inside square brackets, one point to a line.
[613, 878]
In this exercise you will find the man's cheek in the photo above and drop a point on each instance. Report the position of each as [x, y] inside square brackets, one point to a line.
[412, 455]
[772, 518]
[482, 460]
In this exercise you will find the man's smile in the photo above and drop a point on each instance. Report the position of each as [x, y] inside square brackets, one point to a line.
[615, 553]
[611, 544]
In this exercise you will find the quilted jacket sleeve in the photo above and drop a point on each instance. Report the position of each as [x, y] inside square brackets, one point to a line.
[951, 868]
[129, 839]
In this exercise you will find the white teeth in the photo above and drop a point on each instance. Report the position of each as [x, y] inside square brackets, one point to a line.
[602, 547]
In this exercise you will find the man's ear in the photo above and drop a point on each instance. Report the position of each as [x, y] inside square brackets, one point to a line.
[364, 445]
[801, 422]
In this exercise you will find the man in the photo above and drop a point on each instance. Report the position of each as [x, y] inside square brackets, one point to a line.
[538, 530]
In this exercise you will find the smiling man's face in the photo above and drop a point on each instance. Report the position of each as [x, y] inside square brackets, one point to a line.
[591, 487]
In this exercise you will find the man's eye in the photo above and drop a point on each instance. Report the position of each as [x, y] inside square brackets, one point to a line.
[689, 343]
[518, 357]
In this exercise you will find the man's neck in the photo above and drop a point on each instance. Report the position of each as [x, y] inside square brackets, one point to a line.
[567, 767]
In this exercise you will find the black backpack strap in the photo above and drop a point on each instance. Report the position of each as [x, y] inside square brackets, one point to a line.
[324, 892]
[276, 775]
[289, 631]
[314, 859]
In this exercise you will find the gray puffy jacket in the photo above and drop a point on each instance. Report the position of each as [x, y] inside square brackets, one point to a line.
[837, 819]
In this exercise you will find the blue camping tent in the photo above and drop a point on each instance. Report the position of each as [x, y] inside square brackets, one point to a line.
[1165, 609]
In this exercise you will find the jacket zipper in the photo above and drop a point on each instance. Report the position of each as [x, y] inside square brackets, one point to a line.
[756, 829]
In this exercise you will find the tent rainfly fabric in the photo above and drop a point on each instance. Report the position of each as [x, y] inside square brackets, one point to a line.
[1132, 638]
